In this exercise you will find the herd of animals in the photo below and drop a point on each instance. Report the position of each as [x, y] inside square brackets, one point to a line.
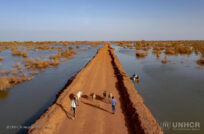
[78, 95]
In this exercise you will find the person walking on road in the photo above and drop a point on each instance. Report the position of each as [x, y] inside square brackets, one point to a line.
[73, 106]
[104, 94]
[113, 102]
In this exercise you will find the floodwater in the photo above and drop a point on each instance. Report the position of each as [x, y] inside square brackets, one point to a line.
[24, 103]
[174, 92]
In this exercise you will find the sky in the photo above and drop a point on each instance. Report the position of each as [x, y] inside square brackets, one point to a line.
[43, 20]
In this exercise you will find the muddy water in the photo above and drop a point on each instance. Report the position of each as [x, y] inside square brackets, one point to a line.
[23, 104]
[173, 92]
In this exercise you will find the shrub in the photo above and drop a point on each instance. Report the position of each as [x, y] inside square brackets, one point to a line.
[201, 61]
[170, 51]
[78, 47]
[183, 49]
[36, 64]
[55, 56]
[165, 60]
[8, 82]
[67, 53]
[5, 72]
[1, 58]
[141, 54]
[56, 62]
[4, 83]
[157, 53]
[16, 52]
[71, 47]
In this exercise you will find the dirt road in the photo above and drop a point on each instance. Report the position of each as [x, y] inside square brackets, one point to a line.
[102, 73]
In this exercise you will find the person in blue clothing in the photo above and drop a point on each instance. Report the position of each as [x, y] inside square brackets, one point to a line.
[113, 102]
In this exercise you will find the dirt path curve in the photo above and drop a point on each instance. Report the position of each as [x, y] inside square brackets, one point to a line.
[95, 116]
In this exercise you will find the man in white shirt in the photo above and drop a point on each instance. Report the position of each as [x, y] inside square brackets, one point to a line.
[73, 106]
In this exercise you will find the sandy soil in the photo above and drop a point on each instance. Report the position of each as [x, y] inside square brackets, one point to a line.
[102, 73]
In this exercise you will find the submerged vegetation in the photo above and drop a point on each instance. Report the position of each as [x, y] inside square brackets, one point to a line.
[165, 60]
[167, 47]
[141, 53]
[16, 52]
[60, 51]
[53, 53]
[201, 61]
[1, 58]
[7, 82]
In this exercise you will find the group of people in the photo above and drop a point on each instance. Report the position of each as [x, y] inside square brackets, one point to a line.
[74, 103]
[112, 100]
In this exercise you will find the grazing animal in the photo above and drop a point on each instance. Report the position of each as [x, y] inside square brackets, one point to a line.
[94, 96]
[78, 95]
[110, 95]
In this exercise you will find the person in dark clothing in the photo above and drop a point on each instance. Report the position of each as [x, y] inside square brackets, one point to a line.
[104, 94]
[113, 102]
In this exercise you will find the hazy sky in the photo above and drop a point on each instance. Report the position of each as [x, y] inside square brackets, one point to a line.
[101, 20]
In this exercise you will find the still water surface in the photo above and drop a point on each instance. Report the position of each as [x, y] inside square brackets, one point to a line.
[174, 92]
[24, 103]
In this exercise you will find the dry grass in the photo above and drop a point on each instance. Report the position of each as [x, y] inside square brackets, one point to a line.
[141, 54]
[184, 50]
[129, 46]
[16, 52]
[157, 53]
[198, 46]
[36, 63]
[43, 47]
[5, 72]
[4, 83]
[13, 80]
[67, 53]
[165, 60]
[78, 47]
[56, 62]
[71, 47]
[10, 81]
[55, 56]
[201, 61]
[170, 51]
[16, 75]
[1, 58]
[169, 47]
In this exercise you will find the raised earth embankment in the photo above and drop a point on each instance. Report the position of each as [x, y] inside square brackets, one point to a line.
[103, 73]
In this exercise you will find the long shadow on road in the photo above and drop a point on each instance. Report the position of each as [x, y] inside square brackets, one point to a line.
[95, 106]
[69, 116]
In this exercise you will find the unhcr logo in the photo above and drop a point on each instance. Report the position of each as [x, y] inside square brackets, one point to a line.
[165, 125]
[186, 125]
[183, 126]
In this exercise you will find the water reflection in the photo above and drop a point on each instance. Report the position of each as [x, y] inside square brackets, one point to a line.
[4, 94]
[21, 107]
[174, 91]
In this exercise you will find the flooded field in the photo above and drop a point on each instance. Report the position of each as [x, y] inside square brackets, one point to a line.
[173, 91]
[25, 101]
[171, 80]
